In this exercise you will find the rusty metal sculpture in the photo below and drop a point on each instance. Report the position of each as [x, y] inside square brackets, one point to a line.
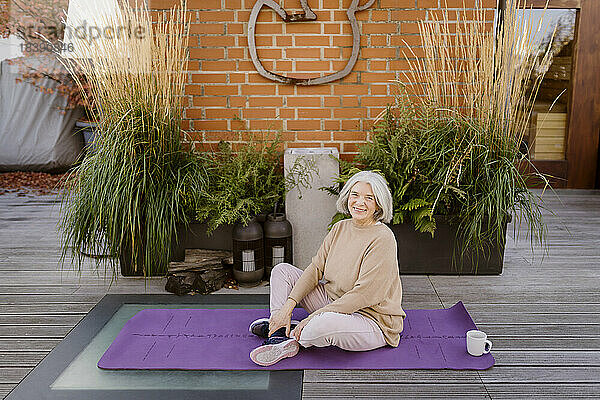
[307, 15]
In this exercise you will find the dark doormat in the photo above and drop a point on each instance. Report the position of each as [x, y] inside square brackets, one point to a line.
[70, 370]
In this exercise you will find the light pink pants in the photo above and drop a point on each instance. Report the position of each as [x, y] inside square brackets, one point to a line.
[352, 332]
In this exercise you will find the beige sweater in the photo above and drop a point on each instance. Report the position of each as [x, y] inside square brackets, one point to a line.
[360, 267]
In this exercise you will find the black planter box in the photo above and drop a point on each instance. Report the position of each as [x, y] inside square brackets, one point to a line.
[419, 253]
[195, 237]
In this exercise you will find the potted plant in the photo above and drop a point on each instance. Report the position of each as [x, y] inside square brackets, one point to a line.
[141, 180]
[451, 153]
[245, 181]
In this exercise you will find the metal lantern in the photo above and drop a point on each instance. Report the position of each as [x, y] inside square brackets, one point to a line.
[248, 253]
[278, 241]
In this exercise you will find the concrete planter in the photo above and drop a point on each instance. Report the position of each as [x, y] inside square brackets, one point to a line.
[419, 253]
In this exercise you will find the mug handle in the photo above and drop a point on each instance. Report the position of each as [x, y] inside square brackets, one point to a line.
[487, 349]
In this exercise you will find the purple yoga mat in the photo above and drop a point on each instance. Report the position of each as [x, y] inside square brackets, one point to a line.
[218, 339]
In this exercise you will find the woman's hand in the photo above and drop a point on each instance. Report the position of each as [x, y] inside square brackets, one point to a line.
[298, 329]
[282, 318]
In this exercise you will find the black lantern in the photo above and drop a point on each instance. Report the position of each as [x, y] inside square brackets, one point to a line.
[248, 253]
[278, 241]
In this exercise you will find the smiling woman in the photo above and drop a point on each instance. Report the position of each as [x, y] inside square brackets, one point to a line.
[351, 289]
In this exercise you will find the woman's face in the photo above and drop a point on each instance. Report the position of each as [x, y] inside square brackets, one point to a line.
[361, 203]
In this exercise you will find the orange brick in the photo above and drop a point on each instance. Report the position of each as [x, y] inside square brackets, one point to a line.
[268, 53]
[255, 113]
[405, 40]
[217, 41]
[376, 100]
[217, 136]
[378, 52]
[409, 15]
[212, 125]
[376, 111]
[379, 40]
[350, 112]
[282, 65]
[214, 54]
[355, 136]
[312, 145]
[350, 89]
[238, 101]
[314, 113]
[209, 78]
[378, 15]
[303, 27]
[220, 16]
[350, 147]
[284, 90]
[312, 65]
[331, 3]
[221, 65]
[332, 101]
[408, 27]
[242, 16]
[233, 4]
[266, 102]
[378, 65]
[427, 3]
[258, 89]
[379, 28]
[303, 101]
[397, 3]
[233, 29]
[283, 40]
[203, 101]
[203, 4]
[314, 135]
[377, 77]
[342, 40]
[220, 90]
[237, 78]
[331, 52]
[350, 101]
[287, 113]
[275, 124]
[303, 53]
[193, 89]
[311, 40]
[264, 40]
[350, 124]
[313, 90]
[162, 4]
[331, 125]
[207, 28]
[379, 90]
[267, 15]
[221, 112]
[256, 78]
[238, 124]
[268, 28]
[236, 53]
[304, 125]
[194, 113]
[331, 28]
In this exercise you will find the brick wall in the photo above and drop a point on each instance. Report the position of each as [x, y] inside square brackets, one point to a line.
[227, 99]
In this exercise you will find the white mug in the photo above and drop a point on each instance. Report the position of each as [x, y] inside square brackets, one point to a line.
[477, 343]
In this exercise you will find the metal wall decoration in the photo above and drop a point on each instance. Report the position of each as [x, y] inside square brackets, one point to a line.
[307, 15]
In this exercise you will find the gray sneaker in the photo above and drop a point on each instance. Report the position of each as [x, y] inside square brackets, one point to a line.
[274, 349]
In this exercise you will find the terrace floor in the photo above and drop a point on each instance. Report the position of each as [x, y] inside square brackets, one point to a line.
[543, 315]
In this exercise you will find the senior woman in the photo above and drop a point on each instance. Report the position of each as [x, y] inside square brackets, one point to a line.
[351, 289]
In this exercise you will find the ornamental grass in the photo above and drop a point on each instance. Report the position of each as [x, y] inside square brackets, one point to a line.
[451, 144]
[128, 195]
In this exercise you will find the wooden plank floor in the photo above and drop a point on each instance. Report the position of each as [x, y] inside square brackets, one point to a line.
[542, 313]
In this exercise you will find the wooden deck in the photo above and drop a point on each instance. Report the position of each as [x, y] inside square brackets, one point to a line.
[543, 316]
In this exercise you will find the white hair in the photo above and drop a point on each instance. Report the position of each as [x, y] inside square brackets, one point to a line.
[380, 189]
